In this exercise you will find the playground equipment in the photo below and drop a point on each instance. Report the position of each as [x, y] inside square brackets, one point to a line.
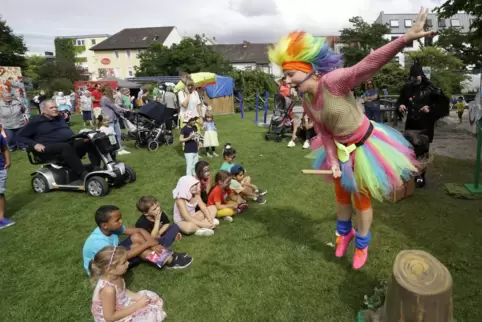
[257, 106]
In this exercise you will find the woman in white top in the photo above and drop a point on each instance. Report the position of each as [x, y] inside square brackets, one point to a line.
[189, 101]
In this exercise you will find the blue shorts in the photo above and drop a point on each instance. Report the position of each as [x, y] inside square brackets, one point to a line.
[3, 180]
[127, 243]
[87, 115]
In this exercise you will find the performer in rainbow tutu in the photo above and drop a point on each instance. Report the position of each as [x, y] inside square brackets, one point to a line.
[366, 159]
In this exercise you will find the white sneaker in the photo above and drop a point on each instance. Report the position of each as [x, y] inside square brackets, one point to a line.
[215, 154]
[216, 221]
[123, 152]
[291, 144]
[204, 232]
[228, 218]
[209, 155]
[306, 145]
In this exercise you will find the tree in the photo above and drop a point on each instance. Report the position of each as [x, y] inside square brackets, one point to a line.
[466, 46]
[446, 68]
[252, 81]
[12, 48]
[472, 7]
[32, 69]
[392, 77]
[361, 39]
[191, 55]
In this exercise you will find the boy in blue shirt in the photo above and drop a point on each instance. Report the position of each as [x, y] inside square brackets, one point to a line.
[4, 165]
[139, 243]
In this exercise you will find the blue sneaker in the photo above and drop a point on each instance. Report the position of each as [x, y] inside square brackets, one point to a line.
[5, 222]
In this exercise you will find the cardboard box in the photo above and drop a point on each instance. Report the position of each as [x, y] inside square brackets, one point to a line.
[404, 192]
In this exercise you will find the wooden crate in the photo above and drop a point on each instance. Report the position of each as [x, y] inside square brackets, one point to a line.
[404, 192]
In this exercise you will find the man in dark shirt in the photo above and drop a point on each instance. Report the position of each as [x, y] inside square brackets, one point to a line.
[48, 133]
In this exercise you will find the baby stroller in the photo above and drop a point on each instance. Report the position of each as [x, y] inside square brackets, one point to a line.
[282, 119]
[128, 120]
[64, 111]
[154, 126]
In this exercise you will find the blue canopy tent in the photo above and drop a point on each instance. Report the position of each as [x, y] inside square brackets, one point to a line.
[220, 95]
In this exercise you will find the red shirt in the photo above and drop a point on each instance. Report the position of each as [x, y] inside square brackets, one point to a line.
[218, 195]
[97, 96]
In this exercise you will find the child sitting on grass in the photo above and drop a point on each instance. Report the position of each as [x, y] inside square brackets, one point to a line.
[112, 301]
[139, 244]
[188, 198]
[156, 222]
[223, 198]
[242, 188]
[229, 154]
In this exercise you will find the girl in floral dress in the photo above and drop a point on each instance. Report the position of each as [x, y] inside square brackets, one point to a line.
[111, 300]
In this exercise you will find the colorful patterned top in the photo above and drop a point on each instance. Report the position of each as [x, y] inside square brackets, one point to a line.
[334, 111]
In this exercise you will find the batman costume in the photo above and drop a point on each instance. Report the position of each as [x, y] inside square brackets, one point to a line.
[420, 92]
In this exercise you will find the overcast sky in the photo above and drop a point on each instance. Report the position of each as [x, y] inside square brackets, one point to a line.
[230, 21]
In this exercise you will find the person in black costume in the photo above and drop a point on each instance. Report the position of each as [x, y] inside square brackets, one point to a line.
[424, 103]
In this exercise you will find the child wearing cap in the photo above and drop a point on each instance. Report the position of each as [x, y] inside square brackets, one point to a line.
[243, 188]
[190, 138]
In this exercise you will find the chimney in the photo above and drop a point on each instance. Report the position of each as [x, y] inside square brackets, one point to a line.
[245, 44]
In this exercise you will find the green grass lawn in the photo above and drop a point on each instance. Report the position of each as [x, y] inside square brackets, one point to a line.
[271, 264]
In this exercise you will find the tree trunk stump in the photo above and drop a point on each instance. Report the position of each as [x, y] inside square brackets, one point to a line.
[420, 290]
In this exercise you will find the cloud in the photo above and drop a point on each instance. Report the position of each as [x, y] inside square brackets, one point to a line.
[229, 21]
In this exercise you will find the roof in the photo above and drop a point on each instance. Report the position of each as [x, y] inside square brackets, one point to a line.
[158, 79]
[85, 36]
[244, 53]
[135, 38]
[433, 19]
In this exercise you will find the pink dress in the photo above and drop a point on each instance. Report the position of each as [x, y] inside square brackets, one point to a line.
[153, 312]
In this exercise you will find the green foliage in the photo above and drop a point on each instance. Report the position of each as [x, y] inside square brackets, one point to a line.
[65, 50]
[445, 66]
[191, 55]
[377, 299]
[250, 81]
[361, 38]
[12, 47]
[31, 71]
[392, 77]
[81, 59]
[466, 46]
[473, 7]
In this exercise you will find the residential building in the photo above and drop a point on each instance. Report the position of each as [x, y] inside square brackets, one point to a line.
[85, 57]
[118, 55]
[400, 23]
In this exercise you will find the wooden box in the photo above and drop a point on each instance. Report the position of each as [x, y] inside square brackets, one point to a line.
[404, 192]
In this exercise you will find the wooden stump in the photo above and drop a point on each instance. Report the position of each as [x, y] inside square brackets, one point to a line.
[420, 290]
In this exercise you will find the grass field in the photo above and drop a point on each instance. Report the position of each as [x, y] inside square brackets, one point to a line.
[271, 264]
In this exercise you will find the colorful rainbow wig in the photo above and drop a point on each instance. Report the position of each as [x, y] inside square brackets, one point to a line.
[302, 51]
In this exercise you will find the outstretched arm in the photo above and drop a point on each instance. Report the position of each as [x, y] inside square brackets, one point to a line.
[340, 81]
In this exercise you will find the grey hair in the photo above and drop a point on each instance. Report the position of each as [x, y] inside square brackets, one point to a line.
[42, 105]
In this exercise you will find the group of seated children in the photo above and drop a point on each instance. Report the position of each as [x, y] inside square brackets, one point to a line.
[196, 207]
[192, 139]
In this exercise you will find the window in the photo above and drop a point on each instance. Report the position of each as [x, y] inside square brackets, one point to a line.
[145, 38]
[80, 42]
[394, 24]
[130, 71]
[93, 41]
[392, 38]
[441, 23]
[455, 22]
[397, 59]
[128, 53]
[156, 38]
[429, 23]
[409, 44]
[118, 72]
[116, 53]
[428, 41]
[408, 23]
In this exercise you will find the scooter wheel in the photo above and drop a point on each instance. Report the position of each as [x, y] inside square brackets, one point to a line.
[129, 175]
[96, 186]
[153, 146]
[40, 184]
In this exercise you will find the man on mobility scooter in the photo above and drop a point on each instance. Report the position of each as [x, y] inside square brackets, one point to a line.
[50, 141]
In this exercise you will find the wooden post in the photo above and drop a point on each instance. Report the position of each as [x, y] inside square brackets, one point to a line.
[266, 97]
[257, 108]
[241, 110]
[420, 290]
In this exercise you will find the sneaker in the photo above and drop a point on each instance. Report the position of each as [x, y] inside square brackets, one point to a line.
[228, 218]
[204, 232]
[180, 254]
[209, 155]
[5, 222]
[342, 243]
[291, 144]
[179, 262]
[261, 192]
[123, 152]
[360, 257]
[260, 200]
[306, 145]
[215, 154]
[242, 207]
[216, 222]
[178, 236]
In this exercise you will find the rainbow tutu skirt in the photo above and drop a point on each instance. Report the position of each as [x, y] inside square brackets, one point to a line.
[376, 167]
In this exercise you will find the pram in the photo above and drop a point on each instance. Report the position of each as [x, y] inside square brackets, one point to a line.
[64, 111]
[282, 119]
[154, 126]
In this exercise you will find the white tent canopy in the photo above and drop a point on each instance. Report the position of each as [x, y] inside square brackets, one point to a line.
[122, 83]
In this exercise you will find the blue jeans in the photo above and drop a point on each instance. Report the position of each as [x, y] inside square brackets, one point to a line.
[372, 111]
[12, 139]
[169, 236]
[118, 132]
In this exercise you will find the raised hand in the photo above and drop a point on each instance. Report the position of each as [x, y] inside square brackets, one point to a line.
[417, 30]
